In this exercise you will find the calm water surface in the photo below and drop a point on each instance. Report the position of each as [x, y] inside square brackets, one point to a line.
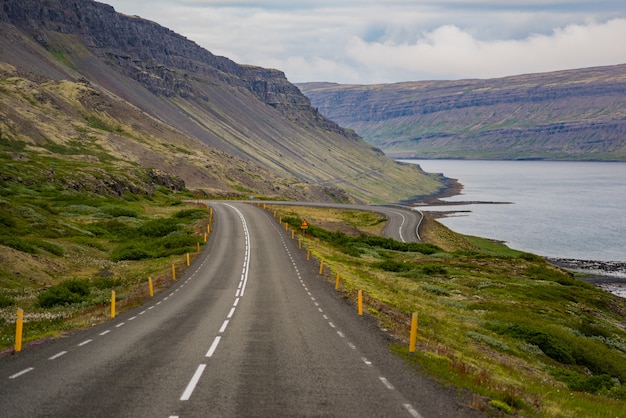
[558, 209]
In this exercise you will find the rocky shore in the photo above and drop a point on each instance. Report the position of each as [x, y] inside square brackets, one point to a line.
[607, 275]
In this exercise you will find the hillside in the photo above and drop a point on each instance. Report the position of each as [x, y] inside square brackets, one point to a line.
[80, 82]
[565, 115]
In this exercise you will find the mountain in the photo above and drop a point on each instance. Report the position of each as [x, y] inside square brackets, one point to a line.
[111, 92]
[564, 115]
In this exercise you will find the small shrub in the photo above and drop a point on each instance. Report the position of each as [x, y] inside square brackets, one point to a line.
[103, 283]
[532, 257]
[190, 214]
[65, 293]
[117, 211]
[501, 406]
[18, 244]
[433, 269]
[392, 266]
[130, 252]
[158, 227]
[488, 340]
[552, 347]
[52, 248]
[602, 383]
[551, 274]
[6, 301]
[437, 290]
[7, 221]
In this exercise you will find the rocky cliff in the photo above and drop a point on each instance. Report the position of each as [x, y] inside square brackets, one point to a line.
[209, 102]
[576, 114]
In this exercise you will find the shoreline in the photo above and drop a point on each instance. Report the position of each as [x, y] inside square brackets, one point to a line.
[450, 187]
[609, 276]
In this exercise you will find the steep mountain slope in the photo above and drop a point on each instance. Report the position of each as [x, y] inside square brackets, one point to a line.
[165, 102]
[569, 115]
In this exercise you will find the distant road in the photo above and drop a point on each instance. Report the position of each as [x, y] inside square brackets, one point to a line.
[250, 330]
[403, 224]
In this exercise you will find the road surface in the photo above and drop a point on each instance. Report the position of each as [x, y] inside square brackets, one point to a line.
[250, 330]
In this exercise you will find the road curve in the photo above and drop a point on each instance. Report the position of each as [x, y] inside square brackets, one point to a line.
[402, 224]
[250, 330]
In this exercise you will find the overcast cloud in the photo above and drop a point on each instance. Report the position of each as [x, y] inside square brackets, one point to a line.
[367, 41]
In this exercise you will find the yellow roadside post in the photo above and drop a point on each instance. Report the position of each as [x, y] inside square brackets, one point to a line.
[112, 303]
[151, 286]
[19, 324]
[173, 272]
[337, 282]
[360, 302]
[188, 262]
[413, 338]
[321, 266]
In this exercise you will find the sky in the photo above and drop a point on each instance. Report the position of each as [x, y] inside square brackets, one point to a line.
[369, 42]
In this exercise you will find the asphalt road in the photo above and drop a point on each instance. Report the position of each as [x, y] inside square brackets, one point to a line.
[250, 330]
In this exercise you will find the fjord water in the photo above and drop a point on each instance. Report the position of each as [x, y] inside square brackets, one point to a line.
[557, 209]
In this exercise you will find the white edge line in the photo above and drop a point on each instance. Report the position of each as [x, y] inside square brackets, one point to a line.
[57, 355]
[411, 410]
[18, 374]
[192, 383]
[386, 382]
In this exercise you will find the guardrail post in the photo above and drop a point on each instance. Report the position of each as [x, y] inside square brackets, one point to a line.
[19, 324]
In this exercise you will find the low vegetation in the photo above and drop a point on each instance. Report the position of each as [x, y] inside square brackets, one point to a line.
[522, 336]
[63, 251]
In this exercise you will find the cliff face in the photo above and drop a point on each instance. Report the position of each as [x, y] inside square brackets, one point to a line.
[576, 114]
[151, 54]
[247, 112]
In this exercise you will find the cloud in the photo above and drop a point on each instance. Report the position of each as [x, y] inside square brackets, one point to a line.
[449, 52]
[373, 41]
